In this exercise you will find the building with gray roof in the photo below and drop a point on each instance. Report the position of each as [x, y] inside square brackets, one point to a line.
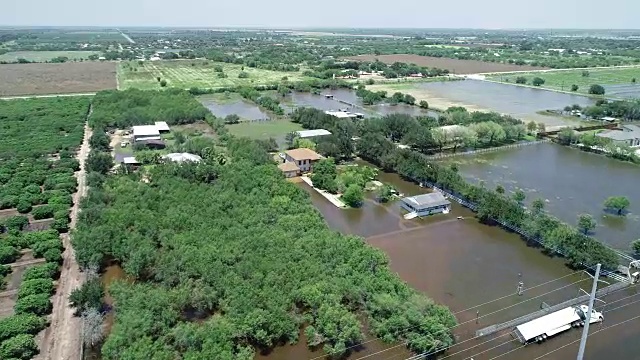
[625, 135]
[426, 204]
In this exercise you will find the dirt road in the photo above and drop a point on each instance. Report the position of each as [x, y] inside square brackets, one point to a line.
[62, 339]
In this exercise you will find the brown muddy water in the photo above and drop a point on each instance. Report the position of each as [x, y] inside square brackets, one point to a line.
[463, 264]
[571, 182]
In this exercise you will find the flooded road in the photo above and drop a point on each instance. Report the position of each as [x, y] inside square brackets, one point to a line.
[474, 269]
[570, 181]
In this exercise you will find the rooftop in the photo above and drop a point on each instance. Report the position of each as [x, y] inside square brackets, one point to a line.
[288, 166]
[303, 154]
[340, 114]
[425, 201]
[313, 133]
[626, 132]
[145, 130]
[162, 126]
[182, 157]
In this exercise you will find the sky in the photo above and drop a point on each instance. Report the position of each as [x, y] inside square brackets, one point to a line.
[485, 14]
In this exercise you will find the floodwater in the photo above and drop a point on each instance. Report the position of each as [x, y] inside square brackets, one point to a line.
[463, 264]
[244, 109]
[571, 181]
[297, 99]
[517, 101]
[626, 91]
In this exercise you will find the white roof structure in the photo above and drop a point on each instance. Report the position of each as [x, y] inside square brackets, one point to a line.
[340, 114]
[549, 322]
[182, 157]
[312, 133]
[162, 126]
[131, 160]
[145, 131]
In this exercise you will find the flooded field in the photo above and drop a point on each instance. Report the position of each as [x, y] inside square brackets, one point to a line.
[571, 182]
[474, 269]
[520, 102]
[295, 100]
[221, 107]
[626, 91]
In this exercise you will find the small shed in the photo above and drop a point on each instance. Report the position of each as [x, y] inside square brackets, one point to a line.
[426, 204]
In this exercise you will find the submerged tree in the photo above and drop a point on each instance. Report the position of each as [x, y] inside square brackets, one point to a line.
[92, 327]
[586, 223]
[617, 204]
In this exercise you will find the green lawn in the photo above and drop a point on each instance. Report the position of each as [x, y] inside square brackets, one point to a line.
[563, 79]
[195, 73]
[264, 129]
[42, 56]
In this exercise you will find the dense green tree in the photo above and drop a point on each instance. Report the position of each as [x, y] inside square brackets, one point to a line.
[20, 324]
[33, 304]
[519, 196]
[521, 80]
[617, 203]
[596, 89]
[21, 346]
[99, 162]
[586, 223]
[574, 87]
[353, 196]
[537, 81]
[567, 136]
[88, 296]
[423, 104]
[532, 126]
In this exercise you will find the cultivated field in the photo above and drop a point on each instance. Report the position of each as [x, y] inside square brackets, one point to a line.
[38, 79]
[42, 56]
[195, 73]
[563, 79]
[453, 65]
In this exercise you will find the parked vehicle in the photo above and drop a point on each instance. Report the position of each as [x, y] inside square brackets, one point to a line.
[540, 329]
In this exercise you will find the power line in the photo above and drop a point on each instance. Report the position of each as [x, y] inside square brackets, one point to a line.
[466, 322]
[575, 341]
[473, 338]
[456, 313]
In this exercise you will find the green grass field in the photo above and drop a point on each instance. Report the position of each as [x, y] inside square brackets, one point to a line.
[562, 80]
[195, 73]
[42, 56]
[264, 129]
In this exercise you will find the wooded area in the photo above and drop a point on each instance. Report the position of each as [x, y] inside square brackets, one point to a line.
[240, 263]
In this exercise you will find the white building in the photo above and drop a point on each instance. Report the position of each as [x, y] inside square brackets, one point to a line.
[145, 132]
[162, 126]
[304, 134]
[182, 157]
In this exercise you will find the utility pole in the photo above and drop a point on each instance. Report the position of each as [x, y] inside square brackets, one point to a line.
[585, 330]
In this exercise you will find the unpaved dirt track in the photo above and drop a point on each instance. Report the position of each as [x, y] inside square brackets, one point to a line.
[62, 338]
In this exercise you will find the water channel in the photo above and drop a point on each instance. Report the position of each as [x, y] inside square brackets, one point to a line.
[462, 263]
[570, 181]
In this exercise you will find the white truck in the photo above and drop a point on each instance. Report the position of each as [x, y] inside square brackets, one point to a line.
[540, 329]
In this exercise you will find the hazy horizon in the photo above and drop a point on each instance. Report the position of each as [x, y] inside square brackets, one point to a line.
[290, 14]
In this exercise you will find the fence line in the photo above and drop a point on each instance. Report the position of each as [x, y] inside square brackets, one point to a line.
[481, 151]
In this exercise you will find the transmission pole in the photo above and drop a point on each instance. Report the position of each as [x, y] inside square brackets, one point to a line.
[585, 330]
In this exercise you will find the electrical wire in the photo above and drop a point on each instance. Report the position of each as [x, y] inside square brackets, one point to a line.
[473, 338]
[456, 313]
[466, 322]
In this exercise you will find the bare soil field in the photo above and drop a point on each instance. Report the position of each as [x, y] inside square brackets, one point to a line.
[65, 78]
[453, 65]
